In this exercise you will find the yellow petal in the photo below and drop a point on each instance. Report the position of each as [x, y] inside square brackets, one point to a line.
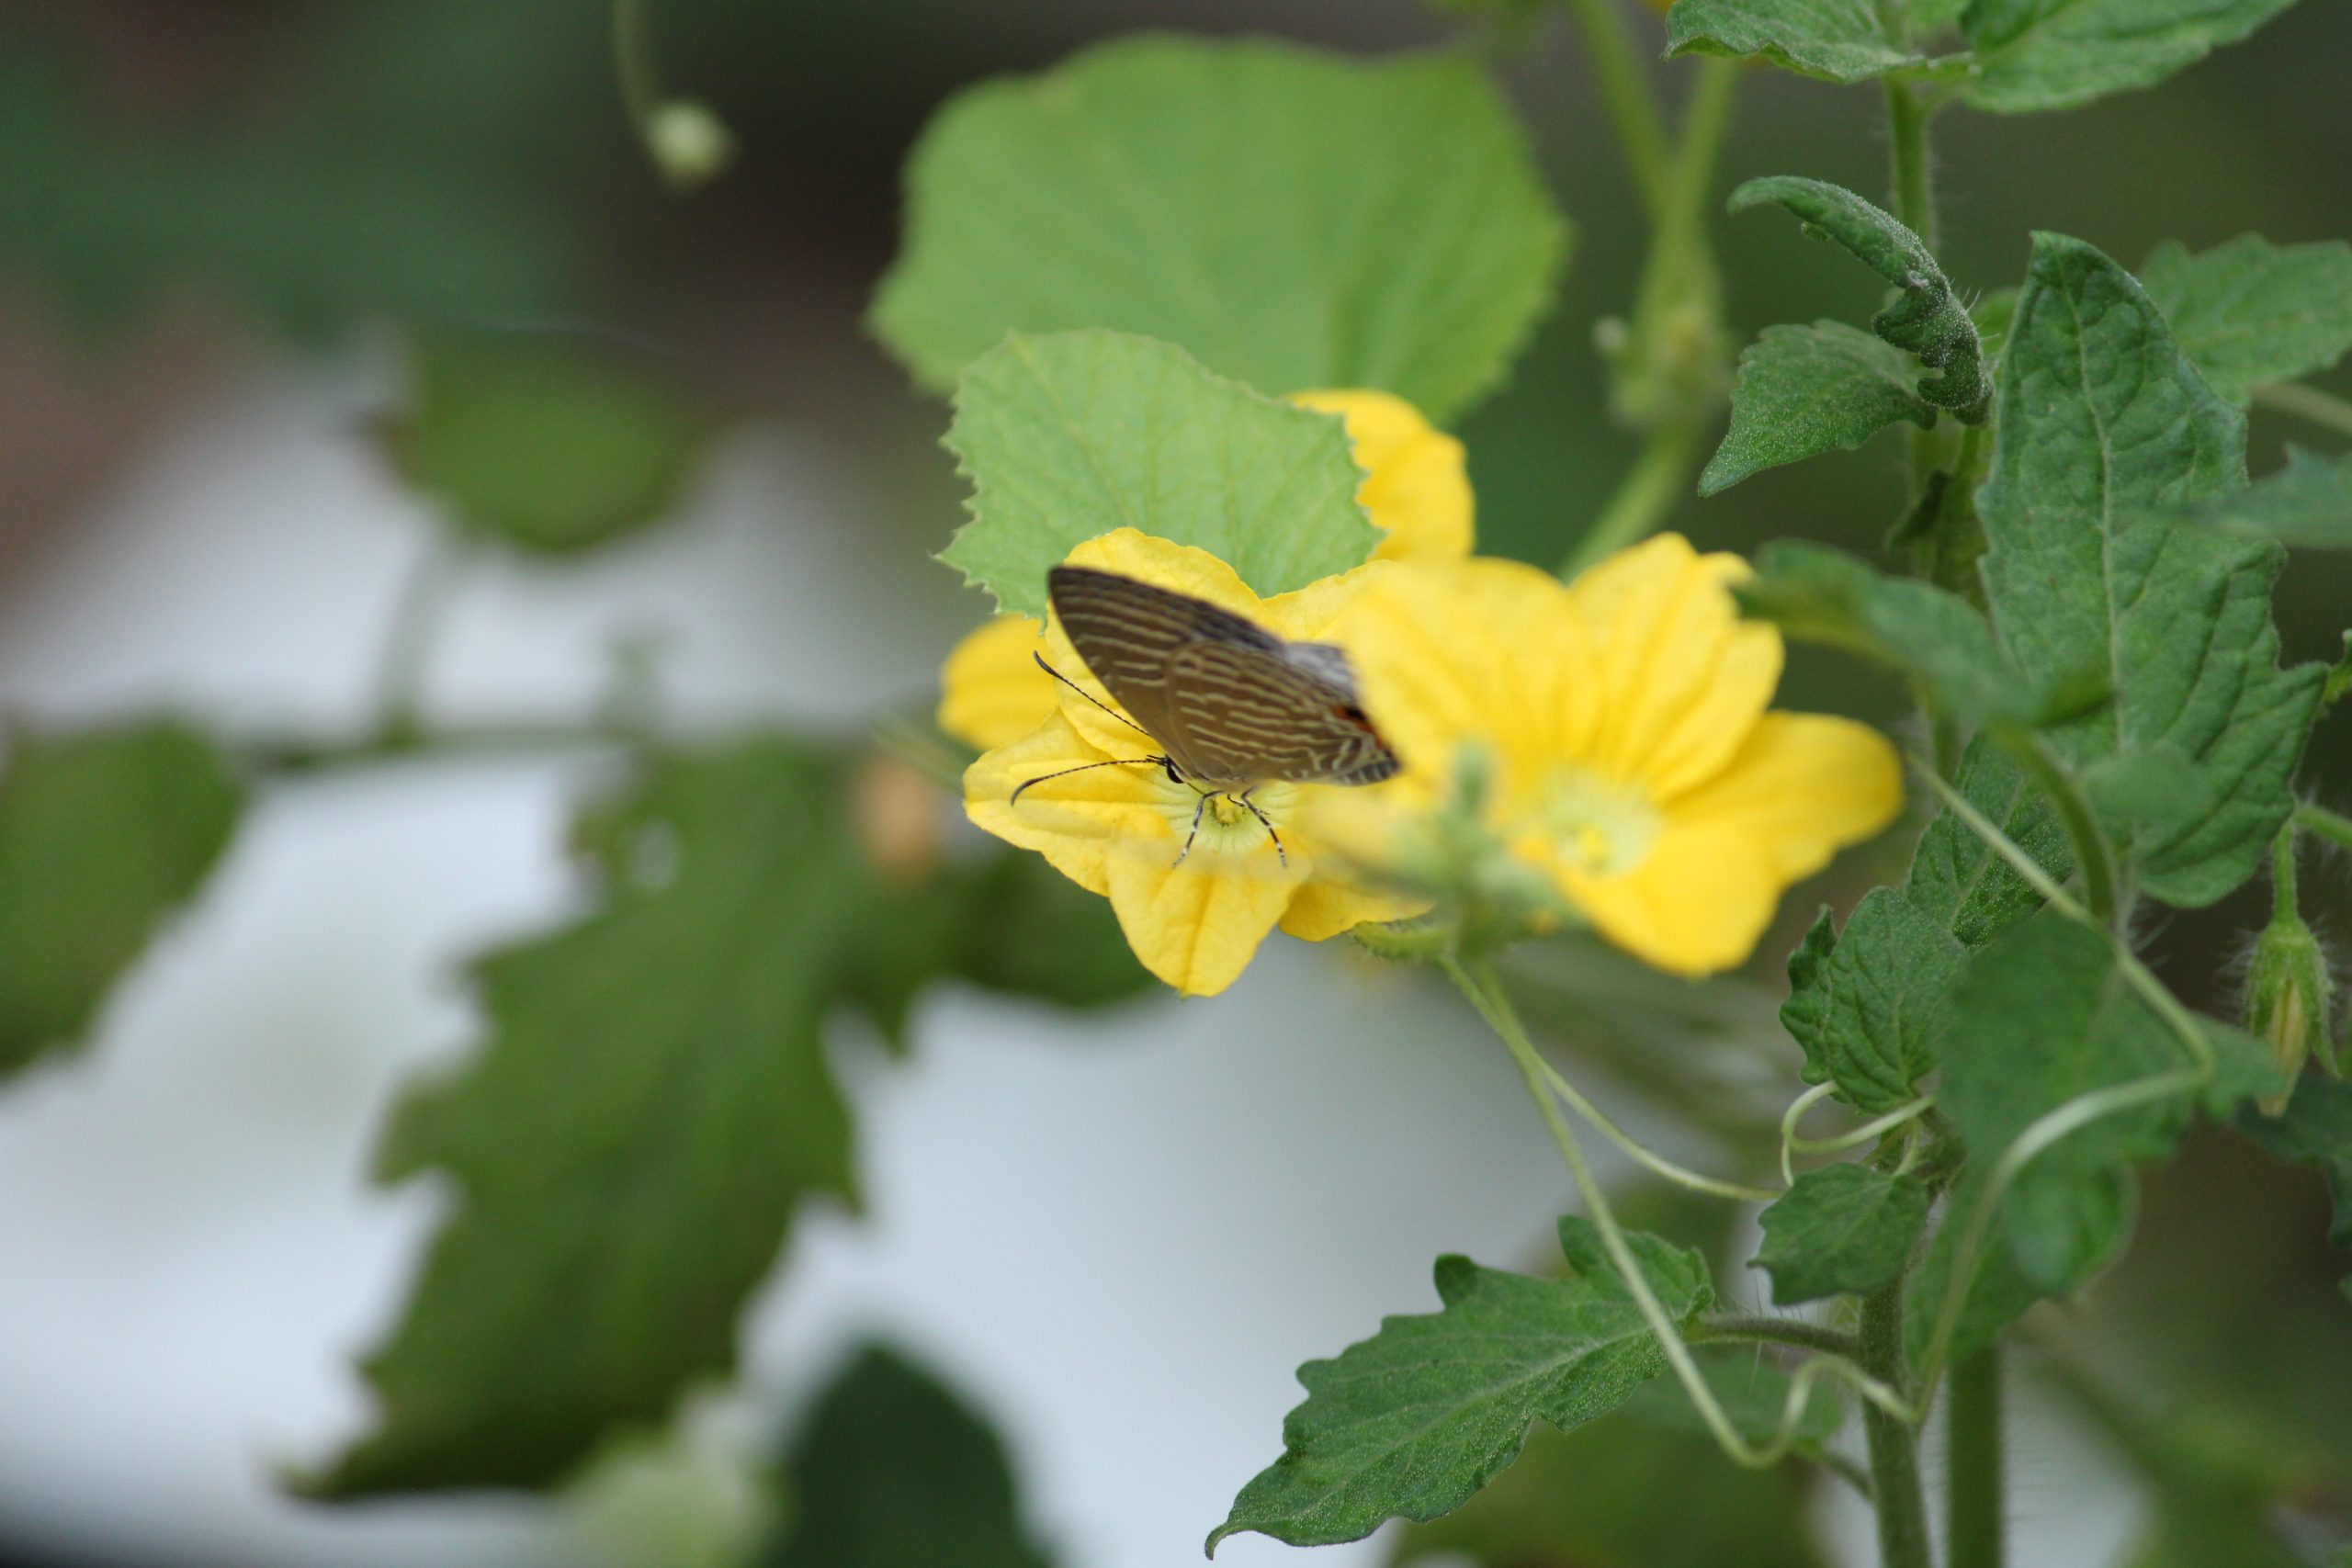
[1415, 488]
[1073, 819]
[1684, 678]
[1327, 904]
[1197, 924]
[1486, 651]
[1310, 613]
[991, 692]
[1697, 904]
[1803, 787]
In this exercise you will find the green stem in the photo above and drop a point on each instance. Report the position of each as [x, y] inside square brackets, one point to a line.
[1744, 1328]
[2284, 905]
[1973, 1534]
[2318, 821]
[1915, 179]
[293, 756]
[2093, 854]
[2308, 404]
[1643, 498]
[1893, 1444]
[1627, 96]
[1640, 1153]
[415, 625]
[633, 62]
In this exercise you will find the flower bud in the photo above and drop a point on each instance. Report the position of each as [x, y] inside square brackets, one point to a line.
[2290, 998]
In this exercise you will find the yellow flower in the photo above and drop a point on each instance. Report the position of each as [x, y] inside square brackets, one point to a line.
[1415, 489]
[1118, 830]
[1629, 758]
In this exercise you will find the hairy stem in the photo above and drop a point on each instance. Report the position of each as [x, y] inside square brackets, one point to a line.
[1893, 1444]
[1745, 1328]
[2307, 403]
[1648, 491]
[2319, 822]
[1973, 1534]
[2093, 854]
[1915, 179]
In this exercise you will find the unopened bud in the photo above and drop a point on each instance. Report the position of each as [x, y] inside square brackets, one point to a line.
[690, 146]
[2290, 1000]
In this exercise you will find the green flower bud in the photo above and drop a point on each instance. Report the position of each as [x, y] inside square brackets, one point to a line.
[2290, 998]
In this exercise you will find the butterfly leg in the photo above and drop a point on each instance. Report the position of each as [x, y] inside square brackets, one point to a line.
[1197, 810]
[1267, 823]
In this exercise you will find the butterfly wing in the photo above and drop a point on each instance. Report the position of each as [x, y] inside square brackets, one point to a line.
[1249, 716]
[1127, 631]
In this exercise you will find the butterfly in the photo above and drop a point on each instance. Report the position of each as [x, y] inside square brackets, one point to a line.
[1231, 706]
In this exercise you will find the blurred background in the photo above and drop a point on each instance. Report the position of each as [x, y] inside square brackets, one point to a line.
[221, 220]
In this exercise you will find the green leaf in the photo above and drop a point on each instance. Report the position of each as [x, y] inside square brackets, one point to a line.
[540, 443]
[1026, 929]
[1296, 220]
[2042, 1016]
[2306, 504]
[1937, 639]
[1413, 1420]
[1806, 391]
[1868, 1014]
[2250, 312]
[1837, 40]
[1955, 876]
[103, 834]
[1841, 1230]
[632, 1139]
[2315, 1129]
[1926, 319]
[2104, 423]
[892, 1470]
[1618, 1492]
[2054, 54]
[1068, 436]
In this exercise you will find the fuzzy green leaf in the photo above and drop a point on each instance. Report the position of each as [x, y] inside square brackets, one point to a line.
[103, 834]
[1837, 40]
[2054, 54]
[893, 1471]
[1413, 1420]
[1868, 1013]
[1841, 1230]
[1937, 639]
[1958, 879]
[1806, 391]
[1927, 320]
[631, 1141]
[2105, 421]
[2250, 312]
[2307, 504]
[1071, 435]
[1294, 220]
[2041, 1016]
[544, 444]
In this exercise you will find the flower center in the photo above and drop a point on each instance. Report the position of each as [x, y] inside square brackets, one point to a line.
[1226, 826]
[1605, 827]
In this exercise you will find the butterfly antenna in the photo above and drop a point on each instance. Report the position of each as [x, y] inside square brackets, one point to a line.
[1091, 698]
[1267, 823]
[1014, 799]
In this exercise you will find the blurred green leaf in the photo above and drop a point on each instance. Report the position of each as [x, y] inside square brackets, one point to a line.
[1026, 929]
[1926, 320]
[892, 1470]
[1868, 1011]
[103, 834]
[2053, 54]
[2103, 421]
[1413, 1420]
[1816, 593]
[2317, 1130]
[1075, 434]
[2307, 504]
[1637, 1489]
[1806, 391]
[1753, 1390]
[543, 443]
[2249, 313]
[1293, 218]
[1841, 1230]
[1837, 40]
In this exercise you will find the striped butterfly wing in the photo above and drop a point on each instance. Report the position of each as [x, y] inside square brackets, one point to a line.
[1128, 631]
[1249, 716]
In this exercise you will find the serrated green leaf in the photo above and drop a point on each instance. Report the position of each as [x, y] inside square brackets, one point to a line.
[2249, 313]
[1815, 593]
[1068, 436]
[893, 1471]
[1841, 1230]
[1927, 320]
[2053, 54]
[650, 1107]
[1413, 1420]
[2105, 421]
[1293, 218]
[1956, 877]
[546, 445]
[1617, 1491]
[1868, 1018]
[1806, 391]
[2308, 504]
[2041, 1017]
[103, 834]
[1837, 40]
